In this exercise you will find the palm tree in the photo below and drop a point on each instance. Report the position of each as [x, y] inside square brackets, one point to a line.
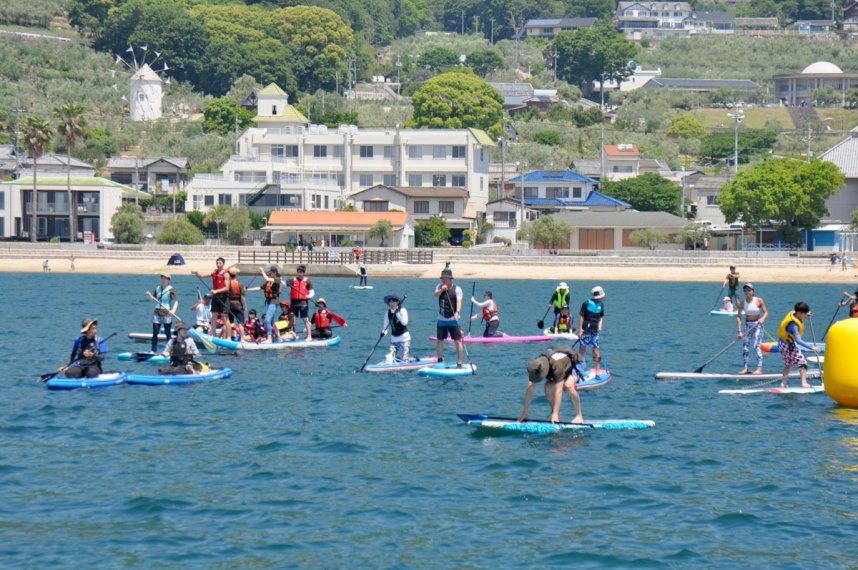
[382, 230]
[37, 137]
[71, 125]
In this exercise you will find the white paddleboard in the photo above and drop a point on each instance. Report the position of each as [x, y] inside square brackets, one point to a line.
[777, 390]
[811, 373]
[364, 287]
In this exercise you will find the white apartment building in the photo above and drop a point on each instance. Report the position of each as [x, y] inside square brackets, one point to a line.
[285, 163]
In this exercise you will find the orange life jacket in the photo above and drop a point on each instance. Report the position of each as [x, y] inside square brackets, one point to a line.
[488, 313]
[300, 291]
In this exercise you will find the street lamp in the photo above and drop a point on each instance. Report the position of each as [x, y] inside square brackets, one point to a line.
[398, 80]
[738, 116]
[521, 191]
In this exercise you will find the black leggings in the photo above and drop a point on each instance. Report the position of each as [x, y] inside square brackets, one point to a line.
[86, 371]
[156, 327]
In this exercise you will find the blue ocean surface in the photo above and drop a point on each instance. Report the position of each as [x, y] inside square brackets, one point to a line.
[298, 460]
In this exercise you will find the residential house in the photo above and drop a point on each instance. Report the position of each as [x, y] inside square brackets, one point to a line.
[701, 191]
[336, 227]
[547, 29]
[702, 85]
[849, 24]
[611, 230]
[618, 162]
[285, 162]
[638, 20]
[845, 156]
[710, 23]
[421, 203]
[520, 97]
[815, 27]
[635, 81]
[753, 26]
[797, 89]
[8, 161]
[156, 175]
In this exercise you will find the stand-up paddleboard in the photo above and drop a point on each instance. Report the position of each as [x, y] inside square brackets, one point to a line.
[811, 373]
[399, 365]
[723, 313]
[447, 370]
[772, 347]
[542, 426]
[100, 381]
[163, 379]
[361, 287]
[146, 337]
[593, 379]
[561, 336]
[143, 357]
[512, 339]
[297, 343]
[777, 390]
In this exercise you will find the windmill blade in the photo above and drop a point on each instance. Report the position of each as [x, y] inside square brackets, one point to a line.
[144, 48]
[124, 98]
[166, 67]
[167, 81]
[112, 73]
[115, 87]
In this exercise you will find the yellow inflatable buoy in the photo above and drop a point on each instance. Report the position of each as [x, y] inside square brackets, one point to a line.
[841, 366]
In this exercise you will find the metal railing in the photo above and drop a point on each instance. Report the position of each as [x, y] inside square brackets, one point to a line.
[337, 256]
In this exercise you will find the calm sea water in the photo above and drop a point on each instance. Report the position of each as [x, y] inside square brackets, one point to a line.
[300, 461]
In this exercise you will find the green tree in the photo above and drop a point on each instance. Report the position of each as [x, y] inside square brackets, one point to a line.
[547, 232]
[593, 54]
[127, 224]
[648, 192]
[694, 234]
[197, 218]
[382, 230]
[484, 61]
[432, 232]
[686, 126]
[787, 193]
[229, 221]
[548, 138]
[458, 100]
[179, 231]
[649, 238]
[37, 137]
[852, 98]
[71, 125]
[752, 142]
[438, 58]
[223, 116]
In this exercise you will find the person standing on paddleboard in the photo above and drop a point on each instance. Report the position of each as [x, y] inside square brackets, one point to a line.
[87, 353]
[789, 341]
[732, 284]
[272, 301]
[166, 305]
[755, 313]
[220, 297]
[851, 301]
[555, 365]
[300, 295]
[590, 321]
[362, 271]
[396, 319]
[559, 298]
[489, 314]
[449, 309]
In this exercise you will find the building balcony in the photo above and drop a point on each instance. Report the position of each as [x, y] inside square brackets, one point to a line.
[47, 209]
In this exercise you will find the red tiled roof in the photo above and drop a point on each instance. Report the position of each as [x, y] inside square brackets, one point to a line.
[614, 150]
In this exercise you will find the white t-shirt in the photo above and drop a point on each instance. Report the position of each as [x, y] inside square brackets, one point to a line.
[454, 298]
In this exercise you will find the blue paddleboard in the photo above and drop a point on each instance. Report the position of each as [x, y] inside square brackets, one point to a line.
[447, 370]
[542, 426]
[143, 357]
[100, 381]
[592, 379]
[163, 379]
[400, 365]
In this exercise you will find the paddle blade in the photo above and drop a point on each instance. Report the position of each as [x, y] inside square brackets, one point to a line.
[540, 325]
[143, 356]
[204, 339]
[46, 377]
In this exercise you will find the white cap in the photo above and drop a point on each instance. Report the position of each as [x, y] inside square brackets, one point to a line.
[563, 285]
[598, 293]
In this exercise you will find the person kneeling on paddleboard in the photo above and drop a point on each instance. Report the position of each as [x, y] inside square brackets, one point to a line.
[181, 349]
[396, 319]
[322, 320]
[489, 314]
[564, 322]
[556, 366]
[789, 341]
[87, 353]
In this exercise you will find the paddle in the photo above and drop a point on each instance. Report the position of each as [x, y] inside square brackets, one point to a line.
[144, 356]
[381, 336]
[46, 377]
[541, 323]
[813, 337]
[468, 354]
[210, 346]
[473, 290]
[700, 368]
[831, 322]
[719, 296]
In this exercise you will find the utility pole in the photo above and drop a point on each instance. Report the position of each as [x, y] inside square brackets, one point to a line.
[555, 63]
[738, 116]
[809, 147]
[492, 32]
[463, 22]
[601, 157]
[501, 142]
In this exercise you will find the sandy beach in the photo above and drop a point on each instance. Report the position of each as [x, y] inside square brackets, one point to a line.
[811, 271]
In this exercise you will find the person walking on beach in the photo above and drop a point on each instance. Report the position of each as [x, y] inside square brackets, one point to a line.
[556, 366]
[87, 353]
[166, 305]
[362, 271]
[590, 321]
[732, 284]
[789, 341]
[559, 298]
[449, 308]
[489, 314]
[46, 267]
[300, 295]
[396, 319]
[220, 297]
[755, 313]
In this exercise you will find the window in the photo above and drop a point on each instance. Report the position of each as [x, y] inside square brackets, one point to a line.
[320, 151]
[710, 200]
[622, 168]
[561, 193]
[209, 200]
[415, 152]
[458, 180]
[366, 151]
[2, 202]
[577, 192]
[365, 180]
[421, 206]
[198, 202]
[459, 152]
[390, 180]
[531, 192]
[337, 151]
[389, 152]
[415, 180]
[274, 110]
[278, 151]
[225, 199]
[326, 202]
[446, 207]
[439, 180]
[291, 151]
[275, 177]
[316, 201]
[375, 206]
[439, 152]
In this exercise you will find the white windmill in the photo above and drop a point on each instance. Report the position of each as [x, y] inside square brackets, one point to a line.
[144, 85]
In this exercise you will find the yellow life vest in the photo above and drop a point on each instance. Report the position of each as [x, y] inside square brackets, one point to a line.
[782, 329]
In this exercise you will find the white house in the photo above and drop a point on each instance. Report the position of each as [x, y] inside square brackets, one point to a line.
[845, 156]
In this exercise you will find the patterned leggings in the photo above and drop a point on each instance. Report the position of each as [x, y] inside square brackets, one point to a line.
[753, 333]
[400, 350]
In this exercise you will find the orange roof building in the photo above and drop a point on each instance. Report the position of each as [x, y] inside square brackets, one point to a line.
[334, 227]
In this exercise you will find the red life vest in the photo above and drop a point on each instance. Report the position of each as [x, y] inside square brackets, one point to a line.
[300, 291]
[853, 309]
[272, 290]
[321, 319]
[234, 289]
[489, 313]
[563, 323]
[218, 279]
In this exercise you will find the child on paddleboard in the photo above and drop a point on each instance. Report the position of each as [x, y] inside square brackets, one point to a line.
[789, 341]
[728, 305]
[396, 320]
